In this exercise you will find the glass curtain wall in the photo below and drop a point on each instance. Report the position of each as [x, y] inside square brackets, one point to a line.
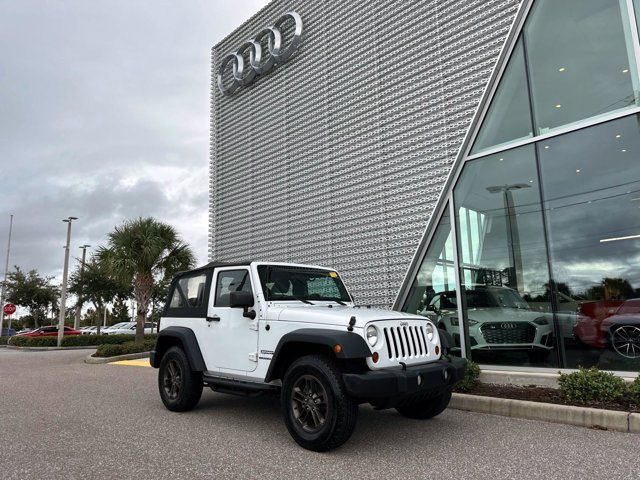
[548, 229]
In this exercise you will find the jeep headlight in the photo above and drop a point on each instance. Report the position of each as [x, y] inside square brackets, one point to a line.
[429, 332]
[372, 335]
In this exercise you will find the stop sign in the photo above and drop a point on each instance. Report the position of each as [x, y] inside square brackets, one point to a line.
[9, 309]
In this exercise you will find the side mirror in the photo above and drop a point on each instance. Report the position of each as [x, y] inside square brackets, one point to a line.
[242, 300]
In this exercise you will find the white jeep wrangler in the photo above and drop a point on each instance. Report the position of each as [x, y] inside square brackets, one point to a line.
[258, 327]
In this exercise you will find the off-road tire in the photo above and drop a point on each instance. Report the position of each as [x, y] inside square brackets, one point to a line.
[424, 407]
[188, 394]
[341, 410]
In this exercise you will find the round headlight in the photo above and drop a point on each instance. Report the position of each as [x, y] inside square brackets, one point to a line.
[372, 335]
[430, 332]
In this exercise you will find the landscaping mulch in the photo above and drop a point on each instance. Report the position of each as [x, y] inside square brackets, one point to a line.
[540, 394]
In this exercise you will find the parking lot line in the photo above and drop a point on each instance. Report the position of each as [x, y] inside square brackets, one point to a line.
[142, 362]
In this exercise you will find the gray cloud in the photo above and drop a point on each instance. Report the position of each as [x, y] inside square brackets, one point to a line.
[104, 114]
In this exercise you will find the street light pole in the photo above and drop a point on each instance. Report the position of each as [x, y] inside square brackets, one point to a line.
[76, 321]
[65, 272]
[4, 283]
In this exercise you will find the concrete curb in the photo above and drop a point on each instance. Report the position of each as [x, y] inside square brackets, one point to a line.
[539, 379]
[129, 356]
[46, 349]
[549, 412]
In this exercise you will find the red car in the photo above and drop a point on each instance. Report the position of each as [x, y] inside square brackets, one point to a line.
[51, 331]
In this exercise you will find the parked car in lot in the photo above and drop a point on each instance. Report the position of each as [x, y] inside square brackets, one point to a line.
[49, 331]
[112, 328]
[498, 318]
[129, 328]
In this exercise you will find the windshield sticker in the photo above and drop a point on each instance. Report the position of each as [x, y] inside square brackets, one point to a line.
[333, 274]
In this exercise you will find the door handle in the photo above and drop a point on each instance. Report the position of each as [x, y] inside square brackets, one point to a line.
[215, 318]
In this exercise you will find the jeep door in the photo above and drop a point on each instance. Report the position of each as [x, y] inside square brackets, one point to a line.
[230, 339]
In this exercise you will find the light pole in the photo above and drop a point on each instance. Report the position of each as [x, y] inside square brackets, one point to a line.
[65, 272]
[4, 283]
[76, 321]
[513, 235]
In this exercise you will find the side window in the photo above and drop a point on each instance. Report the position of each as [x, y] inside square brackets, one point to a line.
[231, 281]
[192, 289]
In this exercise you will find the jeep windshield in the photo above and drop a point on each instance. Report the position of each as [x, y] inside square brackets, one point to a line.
[282, 282]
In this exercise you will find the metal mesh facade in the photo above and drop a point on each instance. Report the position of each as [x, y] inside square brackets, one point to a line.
[338, 156]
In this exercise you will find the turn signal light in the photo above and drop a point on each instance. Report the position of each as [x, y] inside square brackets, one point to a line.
[437, 350]
[375, 357]
[337, 348]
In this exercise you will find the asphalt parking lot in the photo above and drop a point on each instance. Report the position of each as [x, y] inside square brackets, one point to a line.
[61, 418]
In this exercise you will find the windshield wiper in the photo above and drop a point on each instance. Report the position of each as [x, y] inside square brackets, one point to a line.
[338, 301]
[303, 300]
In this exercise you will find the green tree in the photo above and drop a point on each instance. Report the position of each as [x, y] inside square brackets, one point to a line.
[97, 285]
[143, 253]
[33, 292]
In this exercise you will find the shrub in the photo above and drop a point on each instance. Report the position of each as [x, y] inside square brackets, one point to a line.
[4, 340]
[470, 378]
[75, 340]
[111, 350]
[634, 391]
[592, 385]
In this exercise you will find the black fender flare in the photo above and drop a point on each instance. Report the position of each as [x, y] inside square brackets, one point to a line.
[353, 345]
[184, 337]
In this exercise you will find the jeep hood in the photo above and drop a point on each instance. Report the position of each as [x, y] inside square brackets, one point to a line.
[337, 315]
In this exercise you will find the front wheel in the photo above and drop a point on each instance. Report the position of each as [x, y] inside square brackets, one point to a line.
[423, 408]
[180, 387]
[318, 413]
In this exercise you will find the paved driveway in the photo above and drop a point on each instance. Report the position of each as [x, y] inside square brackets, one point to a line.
[61, 418]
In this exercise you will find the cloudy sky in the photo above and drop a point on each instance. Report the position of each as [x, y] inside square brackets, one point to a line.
[104, 115]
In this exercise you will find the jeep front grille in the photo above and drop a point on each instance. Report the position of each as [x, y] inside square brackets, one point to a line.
[406, 342]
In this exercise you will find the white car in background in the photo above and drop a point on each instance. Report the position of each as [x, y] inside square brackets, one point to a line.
[111, 330]
[129, 328]
[499, 319]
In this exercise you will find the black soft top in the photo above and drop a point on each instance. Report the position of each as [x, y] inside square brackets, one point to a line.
[211, 266]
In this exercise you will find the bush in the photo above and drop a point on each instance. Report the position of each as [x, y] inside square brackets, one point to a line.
[470, 378]
[4, 340]
[634, 391]
[75, 340]
[125, 348]
[592, 385]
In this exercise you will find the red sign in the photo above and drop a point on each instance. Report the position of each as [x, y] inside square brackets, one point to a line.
[9, 309]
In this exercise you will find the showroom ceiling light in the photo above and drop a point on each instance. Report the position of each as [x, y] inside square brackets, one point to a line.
[558, 105]
[618, 136]
[626, 70]
[616, 239]
[561, 69]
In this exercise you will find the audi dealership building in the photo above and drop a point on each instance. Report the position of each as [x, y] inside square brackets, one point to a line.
[473, 161]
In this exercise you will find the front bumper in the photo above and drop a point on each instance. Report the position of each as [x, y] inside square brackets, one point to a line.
[429, 378]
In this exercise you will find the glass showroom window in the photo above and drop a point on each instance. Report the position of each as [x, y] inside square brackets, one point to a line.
[503, 260]
[509, 117]
[591, 185]
[581, 60]
[433, 291]
[574, 61]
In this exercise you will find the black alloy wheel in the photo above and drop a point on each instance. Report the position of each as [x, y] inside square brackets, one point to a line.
[309, 403]
[172, 380]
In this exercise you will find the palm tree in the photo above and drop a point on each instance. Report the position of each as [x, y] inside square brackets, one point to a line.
[141, 253]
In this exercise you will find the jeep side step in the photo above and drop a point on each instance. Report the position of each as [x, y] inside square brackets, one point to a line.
[238, 387]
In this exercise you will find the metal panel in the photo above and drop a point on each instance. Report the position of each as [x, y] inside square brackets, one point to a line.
[338, 157]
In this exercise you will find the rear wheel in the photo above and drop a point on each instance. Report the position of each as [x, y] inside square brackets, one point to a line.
[180, 387]
[423, 408]
[318, 413]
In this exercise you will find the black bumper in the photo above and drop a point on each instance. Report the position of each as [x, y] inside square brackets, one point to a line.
[430, 378]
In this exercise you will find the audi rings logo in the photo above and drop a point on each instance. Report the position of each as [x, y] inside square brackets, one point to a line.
[508, 326]
[259, 63]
